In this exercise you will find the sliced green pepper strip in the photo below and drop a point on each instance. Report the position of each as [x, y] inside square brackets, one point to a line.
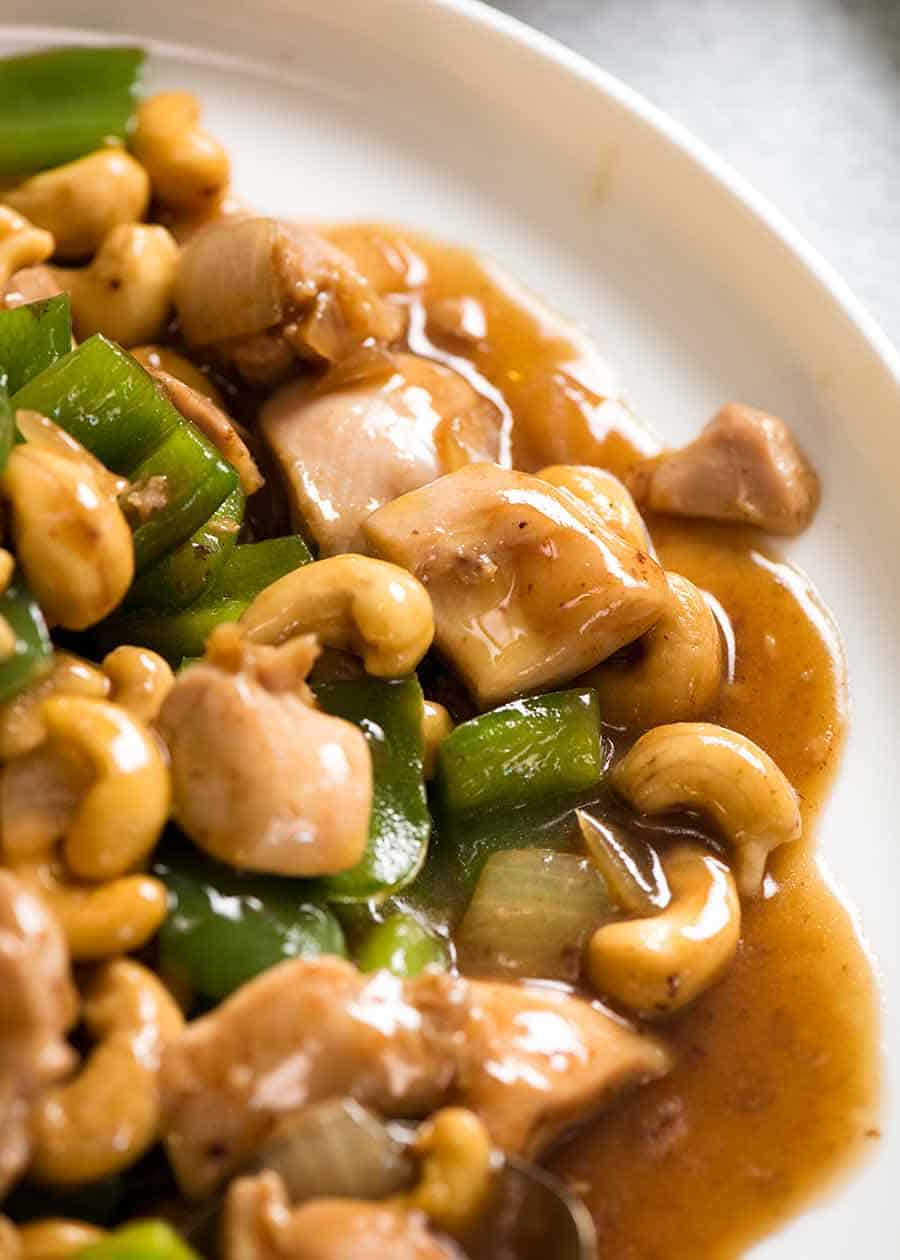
[522, 754]
[196, 481]
[390, 716]
[180, 578]
[61, 104]
[7, 428]
[141, 1240]
[33, 646]
[106, 400]
[403, 945]
[224, 928]
[32, 337]
[249, 569]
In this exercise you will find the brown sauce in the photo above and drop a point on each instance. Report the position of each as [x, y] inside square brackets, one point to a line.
[775, 1088]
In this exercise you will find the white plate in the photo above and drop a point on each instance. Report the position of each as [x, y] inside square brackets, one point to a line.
[448, 116]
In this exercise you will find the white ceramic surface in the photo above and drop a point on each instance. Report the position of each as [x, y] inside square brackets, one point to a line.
[448, 116]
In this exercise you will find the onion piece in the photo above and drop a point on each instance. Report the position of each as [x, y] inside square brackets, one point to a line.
[630, 867]
[532, 912]
[227, 283]
[337, 1149]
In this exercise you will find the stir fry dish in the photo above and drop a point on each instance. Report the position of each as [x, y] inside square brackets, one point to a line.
[407, 764]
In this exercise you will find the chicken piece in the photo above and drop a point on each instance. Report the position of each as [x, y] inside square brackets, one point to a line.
[31, 284]
[264, 293]
[745, 466]
[37, 1005]
[259, 1224]
[346, 452]
[526, 1059]
[211, 420]
[260, 778]
[530, 588]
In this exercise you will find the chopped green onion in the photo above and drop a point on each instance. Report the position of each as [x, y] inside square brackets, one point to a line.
[58, 105]
[224, 928]
[33, 646]
[32, 337]
[522, 754]
[531, 915]
[630, 867]
[403, 945]
[390, 716]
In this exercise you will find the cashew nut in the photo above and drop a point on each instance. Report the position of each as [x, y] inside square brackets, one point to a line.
[189, 170]
[71, 536]
[81, 202]
[57, 1239]
[121, 815]
[437, 724]
[355, 603]
[724, 775]
[679, 672]
[10, 1241]
[658, 964]
[22, 727]
[141, 680]
[21, 244]
[126, 292]
[163, 359]
[100, 921]
[456, 1173]
[606, 494]
[104, 1119]
[45, 434]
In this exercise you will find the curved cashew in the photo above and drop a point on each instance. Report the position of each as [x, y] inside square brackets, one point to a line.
[355, 603]
[21, 244]
[57, 1239]
[81, 202]
[104, 1119]
[189, 170]
[724, 775]
[658, 964]
[121, 815]
[71, 536]
[437, 724]
[126, 292]
[140, 679]
[10, 1241]
[22, 727]
[100, 921]
[679, 673]
[43, 434]
[164, 359]
[606, 494]
[456, 1173]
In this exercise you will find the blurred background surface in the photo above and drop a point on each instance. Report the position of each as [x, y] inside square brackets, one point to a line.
[801, 96]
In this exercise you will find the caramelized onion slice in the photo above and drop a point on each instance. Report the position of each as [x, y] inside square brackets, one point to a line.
[228, 284]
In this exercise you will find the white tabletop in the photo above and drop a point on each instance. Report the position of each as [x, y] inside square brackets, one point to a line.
[801, 96]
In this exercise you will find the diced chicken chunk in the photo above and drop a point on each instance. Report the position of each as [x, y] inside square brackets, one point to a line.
[530, 588]
[211, 420]
[745, 466]
[350, 450]
[260, 1224]
[526, 1059]
[261, 779]
[264, 293]
[37, 1005]
[31, 284]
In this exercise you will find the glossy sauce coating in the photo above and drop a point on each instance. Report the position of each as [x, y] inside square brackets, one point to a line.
[775, 1090]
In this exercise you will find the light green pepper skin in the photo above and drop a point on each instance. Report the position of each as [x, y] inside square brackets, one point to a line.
[140, 1240]
[32, 337]
[402, 945]
[33, 646]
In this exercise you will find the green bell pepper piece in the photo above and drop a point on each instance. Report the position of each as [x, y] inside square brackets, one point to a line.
[61, 104]
[7, 428]
[32, 337]
[390, 715]
[140, 1240]
[107, 401]
[197, 479]
[33, 646]
[403, 945]
[249, 569]
[180, 578]
[224, 928]
[521, 754]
